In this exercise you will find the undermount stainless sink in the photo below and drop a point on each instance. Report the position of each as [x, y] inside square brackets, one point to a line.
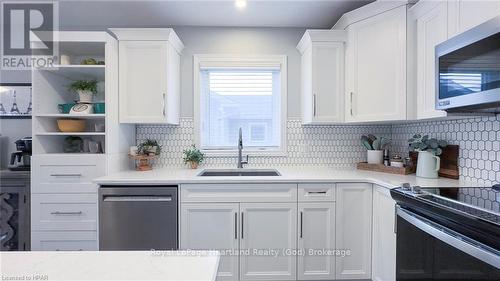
[239, 173]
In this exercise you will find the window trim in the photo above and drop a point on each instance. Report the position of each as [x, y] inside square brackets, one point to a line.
[242, 60]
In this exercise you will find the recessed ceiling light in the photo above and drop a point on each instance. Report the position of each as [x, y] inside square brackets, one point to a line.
[240, 4]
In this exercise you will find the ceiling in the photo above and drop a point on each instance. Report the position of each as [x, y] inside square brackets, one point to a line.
[95, 15]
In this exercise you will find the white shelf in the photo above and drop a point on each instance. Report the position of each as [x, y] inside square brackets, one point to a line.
[71, 134]
[77, 72]
[71, 116]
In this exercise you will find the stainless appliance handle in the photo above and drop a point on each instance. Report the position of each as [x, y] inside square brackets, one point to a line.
[242, 231]
[139, 198]
[452, 238]
[66, 213]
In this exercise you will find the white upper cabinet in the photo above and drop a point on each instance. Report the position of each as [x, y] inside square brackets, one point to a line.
[465, 14]
[431, 21]
[322, 76]
[149, 75]
[376, 68]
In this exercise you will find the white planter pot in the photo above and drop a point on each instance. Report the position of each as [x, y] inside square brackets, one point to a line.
[428, 165]
[375, 156]
[85, 96]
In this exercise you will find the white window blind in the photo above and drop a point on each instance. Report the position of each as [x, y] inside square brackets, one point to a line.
[240, 97]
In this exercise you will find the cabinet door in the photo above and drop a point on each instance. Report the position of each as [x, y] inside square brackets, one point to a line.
[384, 236]
[212, 226]
[143, 81]
[268, 226]
[376, 68]
[432, 29]
[353, 227]
[316, 233]
[327, 83]
[466, 14]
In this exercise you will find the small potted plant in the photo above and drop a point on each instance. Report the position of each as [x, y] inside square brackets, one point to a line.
[429, 149]
[193, 156]
[374, 148]
[86, 89]
[149, 147]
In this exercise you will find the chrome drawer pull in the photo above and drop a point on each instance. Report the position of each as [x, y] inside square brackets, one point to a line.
[317, 192]
[66, 175]
[67, 213]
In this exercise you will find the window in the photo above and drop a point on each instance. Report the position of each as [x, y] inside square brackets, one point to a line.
[234, 93]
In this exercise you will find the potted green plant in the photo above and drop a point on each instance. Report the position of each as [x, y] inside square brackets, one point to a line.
[85, 89]
[193, 156]
[374, 148]
[149, 147]
[429, 149]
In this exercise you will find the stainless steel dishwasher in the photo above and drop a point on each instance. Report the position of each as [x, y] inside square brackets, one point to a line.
[138, 218]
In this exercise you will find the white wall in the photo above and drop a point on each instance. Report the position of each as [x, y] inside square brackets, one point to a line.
[222, 40]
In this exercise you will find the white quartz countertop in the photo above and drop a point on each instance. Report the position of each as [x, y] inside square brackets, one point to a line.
[288, 174]
[123, 265]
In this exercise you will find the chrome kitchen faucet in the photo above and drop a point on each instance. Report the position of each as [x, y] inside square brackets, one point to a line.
[240, 149]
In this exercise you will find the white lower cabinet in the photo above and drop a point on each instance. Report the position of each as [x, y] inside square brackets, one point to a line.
[353, 227]
[213, 226]
[316, 231]
[267, 226]
[384, 236]
[64, 241]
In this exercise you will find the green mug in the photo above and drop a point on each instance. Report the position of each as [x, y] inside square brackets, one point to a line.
[99, 108]
[65, 107]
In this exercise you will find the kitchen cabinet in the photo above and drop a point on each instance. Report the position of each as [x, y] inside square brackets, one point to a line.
[268, 226]
[466, 14]
[213, 226]
[353, 230]
[316, 231]
[431, 20]
[384, 235]
[376, 68]
[149, 76]
[322, 76]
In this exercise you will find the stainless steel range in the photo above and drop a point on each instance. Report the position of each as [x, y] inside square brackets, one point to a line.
[442, 235]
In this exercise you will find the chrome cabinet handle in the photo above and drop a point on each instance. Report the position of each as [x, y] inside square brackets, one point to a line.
[352, 94]
[317, 192]
[66, 175]
[301, 224]
[67, 213]
[164, 103]
[242, 231]
[235, 225]
[314, 104]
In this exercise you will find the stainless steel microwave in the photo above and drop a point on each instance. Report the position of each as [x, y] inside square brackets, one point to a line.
[468, 70]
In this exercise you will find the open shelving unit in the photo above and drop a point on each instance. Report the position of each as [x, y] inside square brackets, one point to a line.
[50, 86]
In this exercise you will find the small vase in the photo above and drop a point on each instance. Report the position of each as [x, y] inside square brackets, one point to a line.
[193, 165]
[375, 156]
[85, 96]
[428, 165]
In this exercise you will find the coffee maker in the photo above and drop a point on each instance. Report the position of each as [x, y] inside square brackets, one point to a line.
[21, 159]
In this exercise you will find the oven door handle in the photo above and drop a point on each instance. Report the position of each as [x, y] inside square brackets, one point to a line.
[452, 238]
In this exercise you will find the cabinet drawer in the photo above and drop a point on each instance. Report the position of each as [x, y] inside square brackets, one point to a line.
[67, 174]
[266, 192]
[64, 241]
[315, 192]
[64, 211]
